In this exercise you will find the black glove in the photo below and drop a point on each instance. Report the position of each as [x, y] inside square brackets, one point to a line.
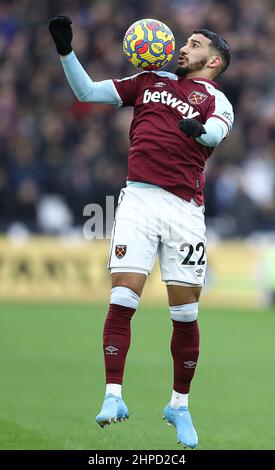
[191, 127]
[61, 31]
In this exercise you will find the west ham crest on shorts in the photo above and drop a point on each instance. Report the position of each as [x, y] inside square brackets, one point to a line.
[120, 251]
[196, 97]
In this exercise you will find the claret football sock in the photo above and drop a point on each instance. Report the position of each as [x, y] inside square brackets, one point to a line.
[116, 341]
[185, 352]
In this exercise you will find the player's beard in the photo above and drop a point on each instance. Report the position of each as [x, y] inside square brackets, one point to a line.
[190, 68]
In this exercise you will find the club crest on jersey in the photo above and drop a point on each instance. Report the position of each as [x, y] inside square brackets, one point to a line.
[196, 97]
[120, 251]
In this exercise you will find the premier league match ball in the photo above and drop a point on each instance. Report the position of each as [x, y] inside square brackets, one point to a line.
[149, 44]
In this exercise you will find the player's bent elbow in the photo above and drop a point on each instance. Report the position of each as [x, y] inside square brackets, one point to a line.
[81, 98]
[209, 142]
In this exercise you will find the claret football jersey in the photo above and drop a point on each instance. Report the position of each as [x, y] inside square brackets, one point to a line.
[160, 153]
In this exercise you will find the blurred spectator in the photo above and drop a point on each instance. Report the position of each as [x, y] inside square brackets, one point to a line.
[67, 153]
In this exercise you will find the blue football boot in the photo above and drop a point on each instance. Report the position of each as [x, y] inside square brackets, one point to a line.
[113, 410]
[181, 419]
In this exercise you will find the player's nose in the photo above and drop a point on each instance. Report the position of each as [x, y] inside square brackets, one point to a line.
[182, 54]
[184, 50]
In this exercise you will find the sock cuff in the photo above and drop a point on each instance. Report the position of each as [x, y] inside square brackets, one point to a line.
[185, 313]
[114, 389]
[179, 399]
[125, 297]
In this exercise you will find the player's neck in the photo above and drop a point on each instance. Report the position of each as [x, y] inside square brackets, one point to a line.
[200, 74]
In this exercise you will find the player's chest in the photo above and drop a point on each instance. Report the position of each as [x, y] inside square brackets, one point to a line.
[185, 103]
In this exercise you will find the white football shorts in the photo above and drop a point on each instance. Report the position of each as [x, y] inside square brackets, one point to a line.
[151, 222]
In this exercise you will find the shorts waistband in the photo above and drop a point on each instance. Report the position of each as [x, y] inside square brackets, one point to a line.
[139, 184]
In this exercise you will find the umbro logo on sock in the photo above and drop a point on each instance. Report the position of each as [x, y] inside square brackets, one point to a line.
[111, 350]
[189, 364]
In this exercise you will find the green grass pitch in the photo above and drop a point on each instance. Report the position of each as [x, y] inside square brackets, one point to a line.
[52, 379]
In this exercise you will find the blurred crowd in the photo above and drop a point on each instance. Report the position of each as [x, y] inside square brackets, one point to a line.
[57, 154]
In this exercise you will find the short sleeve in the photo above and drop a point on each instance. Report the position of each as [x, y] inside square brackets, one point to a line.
[127, 88]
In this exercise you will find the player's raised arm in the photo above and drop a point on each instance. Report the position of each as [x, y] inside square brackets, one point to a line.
[82, 85]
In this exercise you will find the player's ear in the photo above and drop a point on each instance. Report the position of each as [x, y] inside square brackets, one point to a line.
[214, 62]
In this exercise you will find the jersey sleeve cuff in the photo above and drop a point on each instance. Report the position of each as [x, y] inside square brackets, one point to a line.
[120, 102]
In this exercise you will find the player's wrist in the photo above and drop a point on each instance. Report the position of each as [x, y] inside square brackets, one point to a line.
[63, 52]
[63, 56]
[201, 130]
[191, 127]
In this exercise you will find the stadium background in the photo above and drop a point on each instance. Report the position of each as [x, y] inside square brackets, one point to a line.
[58, 155]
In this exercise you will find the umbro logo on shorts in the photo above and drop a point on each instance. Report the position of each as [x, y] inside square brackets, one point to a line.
[120, 250]
[199, 272]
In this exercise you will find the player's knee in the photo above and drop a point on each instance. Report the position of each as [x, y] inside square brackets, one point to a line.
[185, 313]
[133, 281]
[124, 296]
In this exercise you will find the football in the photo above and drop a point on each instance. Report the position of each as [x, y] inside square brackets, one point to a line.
[149, 44]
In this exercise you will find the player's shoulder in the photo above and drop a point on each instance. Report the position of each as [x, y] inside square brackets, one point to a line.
[212, 90]
[149, 74]
[136, 76]
[164, 74]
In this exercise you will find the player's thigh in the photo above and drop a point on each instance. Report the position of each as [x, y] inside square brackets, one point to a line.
[135, 239]
[133, 281]
[182, 254]
[180, 295]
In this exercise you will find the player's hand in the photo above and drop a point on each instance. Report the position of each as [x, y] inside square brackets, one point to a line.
[191, 127]
[61, 31]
